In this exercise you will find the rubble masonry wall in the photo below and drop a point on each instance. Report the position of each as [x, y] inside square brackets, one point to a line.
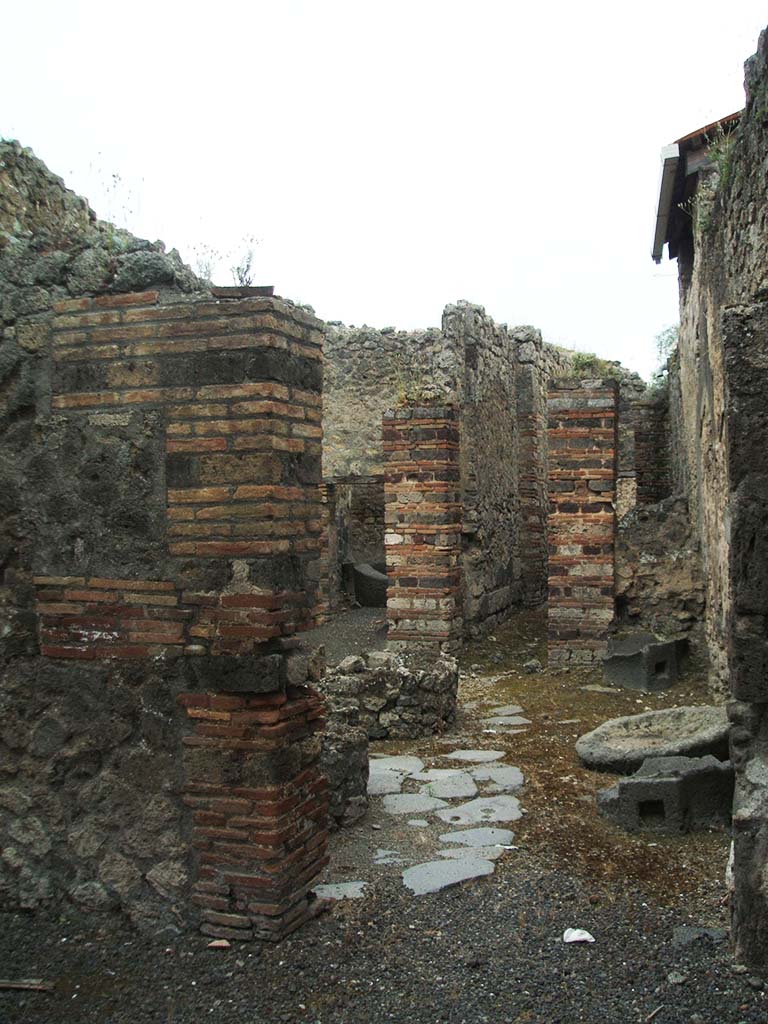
[160, 536]
[720, 416]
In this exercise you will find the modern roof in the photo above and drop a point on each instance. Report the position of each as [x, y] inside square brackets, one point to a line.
[680, 161]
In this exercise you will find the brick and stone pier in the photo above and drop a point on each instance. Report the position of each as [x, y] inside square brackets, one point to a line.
[423, 526]
[582, 521]
[226, 397]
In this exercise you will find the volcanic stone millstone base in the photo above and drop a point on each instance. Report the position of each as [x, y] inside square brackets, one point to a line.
[641, 663]
[672, 794]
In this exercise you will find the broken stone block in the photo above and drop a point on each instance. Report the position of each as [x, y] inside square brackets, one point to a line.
[672, 794]
[641, 662]
[384, 783]
[456, 785]
[476, 756]
[340, 890]
[352, 664]
[502, 778]
[473, 853]
[404, 763]
[622, 744]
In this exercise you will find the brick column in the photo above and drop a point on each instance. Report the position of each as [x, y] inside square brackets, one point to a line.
[581, 522]
[259, 809]
[423, 527]
[326, 569]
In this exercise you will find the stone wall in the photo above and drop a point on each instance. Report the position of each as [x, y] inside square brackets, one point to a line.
[368, 371]
[392, 699]
[659, 584]
[487, 393]
[160, 540]
[91, 788]
[650, 423]
[538, 365]
[701, 447]
[498, 378]
[582, 486]
[423, 523]
[721, 430]
[344, 763]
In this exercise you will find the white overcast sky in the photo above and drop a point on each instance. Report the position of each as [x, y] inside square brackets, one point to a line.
[390, 157]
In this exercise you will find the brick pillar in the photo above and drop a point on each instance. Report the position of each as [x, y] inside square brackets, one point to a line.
[532, 422]
[327, 566]
[259, 809]
[581, 522]
[423, 527]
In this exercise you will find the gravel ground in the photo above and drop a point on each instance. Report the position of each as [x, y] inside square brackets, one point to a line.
[353, 631]
[489, 950]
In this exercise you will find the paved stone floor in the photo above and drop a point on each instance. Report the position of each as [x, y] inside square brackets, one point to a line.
[439, 820]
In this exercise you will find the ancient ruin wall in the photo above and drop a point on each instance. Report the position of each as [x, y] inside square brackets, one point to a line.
[499, 379]
[730, 245]
[659, 585]
[368, 371]
[582, 521]
[231, 526]
[487, 392]
[538, 365]
[723, 355]
[650, 424]
[702, 447]
[160, 543]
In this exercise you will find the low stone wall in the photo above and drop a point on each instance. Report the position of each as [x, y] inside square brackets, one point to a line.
[394, 700]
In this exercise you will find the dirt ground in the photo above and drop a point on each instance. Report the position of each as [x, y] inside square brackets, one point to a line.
[566, 825]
